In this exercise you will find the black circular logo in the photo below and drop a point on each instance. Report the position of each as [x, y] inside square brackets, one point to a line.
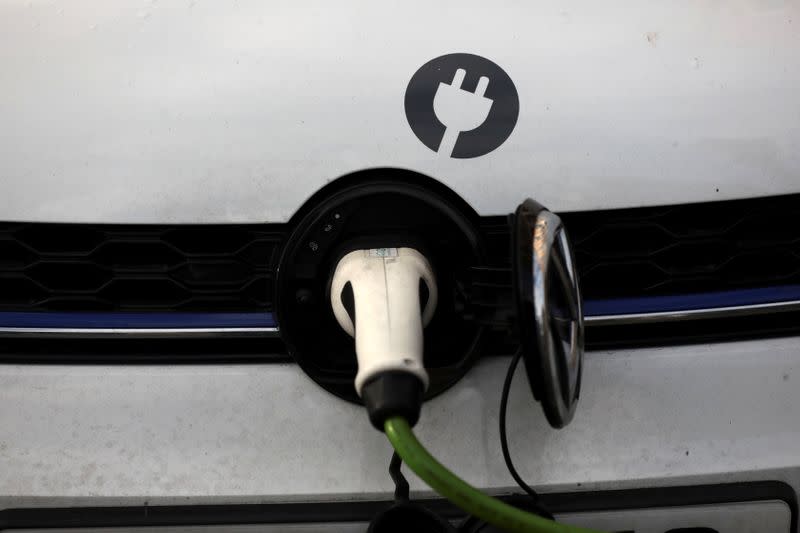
[461, 105]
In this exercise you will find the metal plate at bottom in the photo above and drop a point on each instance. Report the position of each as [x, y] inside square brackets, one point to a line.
[744, 517]
[332, 527]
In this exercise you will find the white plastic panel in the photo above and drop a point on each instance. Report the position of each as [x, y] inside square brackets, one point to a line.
[101, 435]
[208, 111]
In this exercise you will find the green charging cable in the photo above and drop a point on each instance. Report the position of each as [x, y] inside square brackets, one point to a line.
[462, 493]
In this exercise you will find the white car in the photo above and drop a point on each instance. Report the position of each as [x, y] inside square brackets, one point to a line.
[178, 179]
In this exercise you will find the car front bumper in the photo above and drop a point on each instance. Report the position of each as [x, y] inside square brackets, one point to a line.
[149, 434]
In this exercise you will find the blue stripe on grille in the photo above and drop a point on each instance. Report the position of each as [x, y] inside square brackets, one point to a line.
[113, 320]
[689, 302]
[172, 320]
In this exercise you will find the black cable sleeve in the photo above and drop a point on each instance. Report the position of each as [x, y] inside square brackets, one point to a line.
[537, 505]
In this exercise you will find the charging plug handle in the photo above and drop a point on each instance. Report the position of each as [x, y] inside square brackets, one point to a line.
[387, 324]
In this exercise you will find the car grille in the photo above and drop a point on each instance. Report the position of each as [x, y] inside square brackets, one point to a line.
[640, 260]
[678, 255]
[688, 249]
[64, 267]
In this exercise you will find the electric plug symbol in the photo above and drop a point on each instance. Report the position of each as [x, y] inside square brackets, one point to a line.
[454, 119]
[460, 110]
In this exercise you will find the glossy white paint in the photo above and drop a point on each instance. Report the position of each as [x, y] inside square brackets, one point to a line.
[203, 111]
[249, 433]
[207, 111]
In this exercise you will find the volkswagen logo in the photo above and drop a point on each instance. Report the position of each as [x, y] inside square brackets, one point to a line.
[549, 311]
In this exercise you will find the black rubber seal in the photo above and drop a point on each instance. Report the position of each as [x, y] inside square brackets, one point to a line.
[378, 207]
[393, 393]
[406, 516]
[364, 511]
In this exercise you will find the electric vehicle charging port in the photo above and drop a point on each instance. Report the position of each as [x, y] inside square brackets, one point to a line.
[387, 210]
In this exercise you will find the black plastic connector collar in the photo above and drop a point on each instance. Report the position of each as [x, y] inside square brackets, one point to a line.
[393, 393]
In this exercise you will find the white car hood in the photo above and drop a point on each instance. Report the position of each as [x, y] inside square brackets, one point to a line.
[200, 111]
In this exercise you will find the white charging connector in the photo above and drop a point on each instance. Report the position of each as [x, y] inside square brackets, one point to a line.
[388, 316]
[387, 319]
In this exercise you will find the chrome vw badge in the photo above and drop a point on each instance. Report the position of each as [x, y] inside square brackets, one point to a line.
[549, 311]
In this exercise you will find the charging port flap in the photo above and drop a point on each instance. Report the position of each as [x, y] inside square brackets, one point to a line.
[549, 313]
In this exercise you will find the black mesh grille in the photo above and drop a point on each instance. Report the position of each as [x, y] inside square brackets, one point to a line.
[685, 249]
[689, 248]
[620, 253]
[137, 268]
